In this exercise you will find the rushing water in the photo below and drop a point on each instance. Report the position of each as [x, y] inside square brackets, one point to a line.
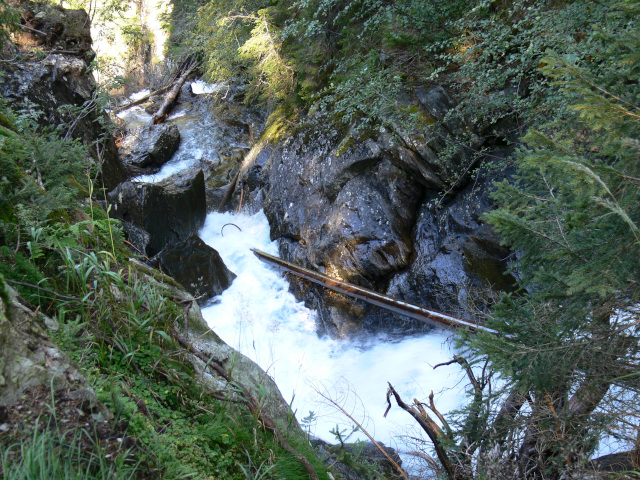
[202, 133]
[258, 316]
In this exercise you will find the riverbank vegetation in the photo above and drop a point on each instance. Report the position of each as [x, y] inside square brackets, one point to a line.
[557, 84]
[120, 323]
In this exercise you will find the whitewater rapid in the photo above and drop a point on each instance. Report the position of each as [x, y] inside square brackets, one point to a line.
[259, 317]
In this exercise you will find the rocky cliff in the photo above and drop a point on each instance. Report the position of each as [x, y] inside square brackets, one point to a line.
[396, 212]
[47, 72]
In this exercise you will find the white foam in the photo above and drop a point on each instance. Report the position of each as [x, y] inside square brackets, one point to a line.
[200, 87]
[139, 95]
[258, 316]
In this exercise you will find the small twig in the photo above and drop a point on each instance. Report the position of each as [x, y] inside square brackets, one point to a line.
[241, 196]
[52, 292]
[138, 250]
[378, 446]
[229, 224]
[33, 30]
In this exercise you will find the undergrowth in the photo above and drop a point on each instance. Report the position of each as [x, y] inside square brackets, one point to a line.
[67, 257]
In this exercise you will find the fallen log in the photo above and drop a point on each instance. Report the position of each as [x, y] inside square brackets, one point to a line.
[431, 317]
[229, 192]
[143, 99]
[171, 97]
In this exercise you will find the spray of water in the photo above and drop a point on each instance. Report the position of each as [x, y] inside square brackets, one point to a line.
[258, 316]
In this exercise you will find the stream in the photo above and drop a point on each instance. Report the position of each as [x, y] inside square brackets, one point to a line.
[259, 317]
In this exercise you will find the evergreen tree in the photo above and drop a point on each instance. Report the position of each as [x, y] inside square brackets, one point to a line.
[567, 346]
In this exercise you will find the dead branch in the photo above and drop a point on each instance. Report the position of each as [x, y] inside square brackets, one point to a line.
[378, 446]
[46, 290]
[222, 229]
[432, 430]
[242, 184]
[227, 194]
[143, 99]
[172, 96]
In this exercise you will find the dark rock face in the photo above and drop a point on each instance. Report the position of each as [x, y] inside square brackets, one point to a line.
[52, 26]
[60, 81]
[458, 258]
[372, 214]
[170, 211]
[349, 216]
[136, 236]
[197, 267]
[150, 146]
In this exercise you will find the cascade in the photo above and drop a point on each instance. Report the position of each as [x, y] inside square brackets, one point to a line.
[259, 317]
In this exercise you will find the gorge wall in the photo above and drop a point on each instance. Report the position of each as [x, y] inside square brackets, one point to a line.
[373, 213]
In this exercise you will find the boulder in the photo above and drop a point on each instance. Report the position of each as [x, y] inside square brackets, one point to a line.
[197, 267]
[170, 211]
[371, 211]
[28, 358]
[150, 145]
[61, 85]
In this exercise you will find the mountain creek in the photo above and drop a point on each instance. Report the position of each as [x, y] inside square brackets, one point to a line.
[144, 329]
[367, 212]
[261, 318]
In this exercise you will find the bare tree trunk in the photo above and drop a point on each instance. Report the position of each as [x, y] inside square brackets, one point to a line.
[171, 97]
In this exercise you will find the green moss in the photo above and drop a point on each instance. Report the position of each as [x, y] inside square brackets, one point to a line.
[15, 266]
[280, 124]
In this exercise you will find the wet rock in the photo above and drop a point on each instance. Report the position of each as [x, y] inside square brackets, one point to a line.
[61, 87]
[347, 215]
[197, 267]
[136, 236]
[150, 145]
[369, 211]
[170, 211]
[450, 239]
[486, 258]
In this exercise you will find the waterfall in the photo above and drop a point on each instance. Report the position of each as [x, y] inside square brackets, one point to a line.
[259, 317]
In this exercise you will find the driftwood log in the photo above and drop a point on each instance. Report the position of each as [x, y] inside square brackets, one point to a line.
[171, 97]
[143, 99]
[402, 307]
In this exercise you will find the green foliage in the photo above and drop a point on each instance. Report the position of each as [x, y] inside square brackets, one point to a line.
[567, 340]
[302, 51]
[499, 51]
[9, 21]
[46, 456]
[36, 171]
[15, 266]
